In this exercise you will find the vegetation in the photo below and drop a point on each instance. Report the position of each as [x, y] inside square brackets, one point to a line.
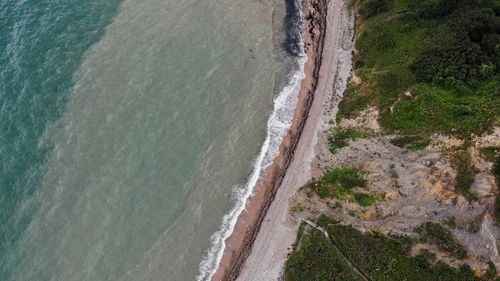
[338, 182]
[355, 99]
[345, 178]
[496, 173]
[317, 260]
[377, 256]
[370, 8]
[341, 183]
[466, 172]
[338, 138]
[364, 199]
[442, 237]
[444, 53]
[414, 142]
[492, 154]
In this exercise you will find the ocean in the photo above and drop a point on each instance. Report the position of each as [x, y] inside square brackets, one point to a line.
[132, 131]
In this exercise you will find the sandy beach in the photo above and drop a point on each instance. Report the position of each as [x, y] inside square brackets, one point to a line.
[258, 246]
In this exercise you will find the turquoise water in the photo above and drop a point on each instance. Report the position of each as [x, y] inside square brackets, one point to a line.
[129, 129]
[41, 45]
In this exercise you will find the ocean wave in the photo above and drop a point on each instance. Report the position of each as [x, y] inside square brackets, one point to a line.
[278, 125]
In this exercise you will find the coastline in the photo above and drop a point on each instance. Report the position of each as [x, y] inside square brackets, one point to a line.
[239, 243]
[279, 230]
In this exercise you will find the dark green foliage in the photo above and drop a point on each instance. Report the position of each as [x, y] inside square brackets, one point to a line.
[300, 232]
[466, 172]
[338, 138]
[431, 9]
[414, 142]
[352, 102]
[453, 63]
[317, 260]
[345, 178]
[338, 182]
[378, 256]
[442, 237]
[492, 154]
[496, 169]
[467, 50]
[364, 199]
[448, 62]
[370, 8]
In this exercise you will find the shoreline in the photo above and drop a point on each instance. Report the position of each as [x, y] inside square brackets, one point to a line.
[279, 231]
[239, 243]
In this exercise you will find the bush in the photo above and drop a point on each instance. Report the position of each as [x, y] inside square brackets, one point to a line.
[317, 260]
[443, 110]
[378, 256]
[442, 237]
[413, 143]
[449, 62]
[432, 9]
[370, 8]
[352, 102]
[345, 178]
[466, 173]
[339, 138]
[364, 199]
[338, 182]
[466, 49]
[453, 63]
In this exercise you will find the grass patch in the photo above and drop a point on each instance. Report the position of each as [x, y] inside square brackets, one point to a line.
[345, 178]
[364, 199]
[340, 183]
[466, 173]
[339, 138]
[380, 257]
[413, 143]
[355, 100]
[442, 237]
[436, 109]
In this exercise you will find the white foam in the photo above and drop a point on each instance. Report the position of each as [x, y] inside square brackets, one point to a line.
[278, 125]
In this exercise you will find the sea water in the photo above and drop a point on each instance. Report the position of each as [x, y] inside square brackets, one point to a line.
[131, 131]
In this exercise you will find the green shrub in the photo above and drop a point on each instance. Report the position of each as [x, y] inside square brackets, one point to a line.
[317, 260]
[339, 138]
[413, 142]
[442, 237]
[377, 256]
[465, 52]
[364, 199]
[353, 102]
[466, 173]
[345, 178]
[496, 169]
[436, 109]
[449, 61]
[369, 8]
[432, 9]
[492, 154]
[338, 182]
